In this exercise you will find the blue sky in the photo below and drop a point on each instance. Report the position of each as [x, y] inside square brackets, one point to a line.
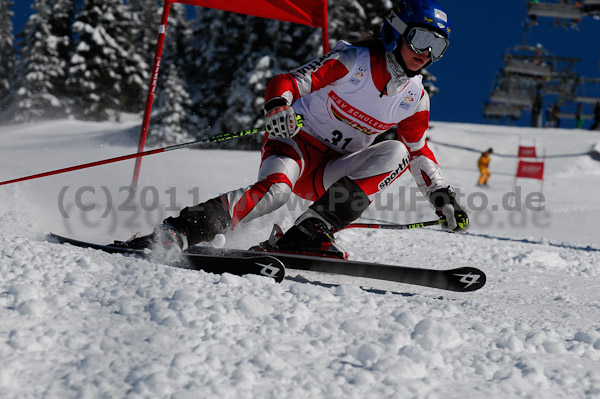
[482, 32]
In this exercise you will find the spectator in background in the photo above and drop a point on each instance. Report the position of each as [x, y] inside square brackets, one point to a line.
[484, 164]
[556, 115]
[596, 124]
[536, 112]
[579, 121]
[549, 114]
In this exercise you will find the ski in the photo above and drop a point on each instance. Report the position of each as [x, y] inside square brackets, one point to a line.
[256, 263]
[461, 279]
[273, 264]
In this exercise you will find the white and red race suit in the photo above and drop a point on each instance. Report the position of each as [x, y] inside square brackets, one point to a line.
[346, 97]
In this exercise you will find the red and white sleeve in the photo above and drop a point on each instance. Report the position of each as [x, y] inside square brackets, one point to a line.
[423, 165]
[311, 76]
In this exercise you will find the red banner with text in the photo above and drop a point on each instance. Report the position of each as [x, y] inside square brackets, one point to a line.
[531, 170]
[527, 152]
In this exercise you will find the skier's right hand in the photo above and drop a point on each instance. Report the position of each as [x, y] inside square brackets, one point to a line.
[453, 218]
[282, 121]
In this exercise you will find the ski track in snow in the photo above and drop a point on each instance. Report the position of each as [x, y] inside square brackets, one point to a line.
[78, 323]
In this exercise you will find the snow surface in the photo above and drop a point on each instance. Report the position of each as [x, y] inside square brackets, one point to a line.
[77, 323]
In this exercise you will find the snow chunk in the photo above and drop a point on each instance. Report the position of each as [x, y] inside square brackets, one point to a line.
[583, 336]
[431, 334]
[31, 307]
[544, 259]
[252, 307]
[348, 290]
[510, 342]
[359, 325]
[231, 279]
[406, 319]
[368, 354]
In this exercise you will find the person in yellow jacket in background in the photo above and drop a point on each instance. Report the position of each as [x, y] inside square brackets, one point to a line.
[483, 164]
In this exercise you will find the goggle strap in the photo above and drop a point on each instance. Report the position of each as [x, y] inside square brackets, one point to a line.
[396, 22]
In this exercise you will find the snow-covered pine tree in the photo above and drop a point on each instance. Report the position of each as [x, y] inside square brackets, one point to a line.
[61, 21]
[215, 41]
[133, 67]
[375, 11]
[176, 39]
[61, 25]
[94, 81]
[106, 73]
[38, 66]
[262, 58]
[232, 57]
[172, 117]
[146, 18]
[171, 121]
[351, 20]
[347, 20]
[7, 53]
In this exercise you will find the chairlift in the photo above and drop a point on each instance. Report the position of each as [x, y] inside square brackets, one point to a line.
[567, 115]
[591, 6]
[524, 99]
[529, 60]
[557, 10]
[588, 100]
[527, 68]
[499, 110]
[588, 90]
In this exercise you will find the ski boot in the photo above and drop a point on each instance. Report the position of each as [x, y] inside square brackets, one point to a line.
[193, 225]
[310, 235]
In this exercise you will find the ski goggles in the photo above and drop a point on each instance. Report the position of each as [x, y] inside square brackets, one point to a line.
[421, 40]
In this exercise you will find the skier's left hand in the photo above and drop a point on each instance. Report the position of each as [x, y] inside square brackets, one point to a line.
[453, 218]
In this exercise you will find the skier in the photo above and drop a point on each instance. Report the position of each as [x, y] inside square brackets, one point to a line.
[321, 120]
[483, 163]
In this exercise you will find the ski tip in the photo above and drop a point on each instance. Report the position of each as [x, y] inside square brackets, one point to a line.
[466, 279]
[270, 266]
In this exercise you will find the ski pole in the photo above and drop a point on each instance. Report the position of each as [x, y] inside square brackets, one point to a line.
[213, 139]
[392, 226]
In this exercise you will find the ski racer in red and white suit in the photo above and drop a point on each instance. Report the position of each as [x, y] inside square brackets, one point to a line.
[345, 98]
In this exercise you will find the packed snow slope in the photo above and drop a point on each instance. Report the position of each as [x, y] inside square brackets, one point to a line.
[78, 323]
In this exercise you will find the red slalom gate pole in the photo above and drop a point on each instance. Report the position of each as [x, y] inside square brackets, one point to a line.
[162, 31]
[213, 139]
[83, 166]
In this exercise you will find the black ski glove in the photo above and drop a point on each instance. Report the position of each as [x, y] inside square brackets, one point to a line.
[453, 217]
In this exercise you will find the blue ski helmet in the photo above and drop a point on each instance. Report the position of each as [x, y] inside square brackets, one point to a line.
[422, 24]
